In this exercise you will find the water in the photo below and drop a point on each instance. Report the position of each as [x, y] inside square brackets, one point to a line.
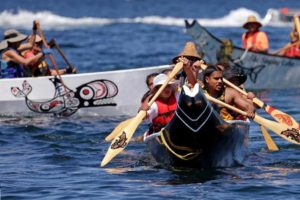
[58, 158]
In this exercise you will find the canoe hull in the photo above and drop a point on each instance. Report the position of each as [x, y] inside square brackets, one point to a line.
[263, 70]
[91, 94]
[198, 137]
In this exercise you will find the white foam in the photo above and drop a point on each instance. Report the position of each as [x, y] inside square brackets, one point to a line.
[24, 18]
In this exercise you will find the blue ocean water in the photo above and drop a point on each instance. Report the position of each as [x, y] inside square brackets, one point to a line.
[58, 158]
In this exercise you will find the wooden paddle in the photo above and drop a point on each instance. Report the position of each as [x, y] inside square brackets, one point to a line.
[269, 141]
[118, 129]
[289, 134]
[50, 55]
[278, 115]
[124, 136]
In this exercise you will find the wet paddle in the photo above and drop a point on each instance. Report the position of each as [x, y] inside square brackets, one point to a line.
[118, 129]
[122, 139]
[278, 115]
[269, 141]
[50, 55]
[289, 134]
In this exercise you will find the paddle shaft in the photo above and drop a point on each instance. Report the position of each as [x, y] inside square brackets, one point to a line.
[255, 100]
[62, 54]
[50, 55]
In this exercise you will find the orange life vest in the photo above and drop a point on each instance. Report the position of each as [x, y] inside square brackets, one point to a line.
[165, 113]
[293, 52]
[257, 42]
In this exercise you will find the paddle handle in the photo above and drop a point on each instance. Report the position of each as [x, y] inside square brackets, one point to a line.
[217, 101]
[175, 71]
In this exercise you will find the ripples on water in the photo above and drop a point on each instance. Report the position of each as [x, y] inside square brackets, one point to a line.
[59, 157]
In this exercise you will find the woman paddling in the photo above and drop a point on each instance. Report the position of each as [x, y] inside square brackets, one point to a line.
[12, 62]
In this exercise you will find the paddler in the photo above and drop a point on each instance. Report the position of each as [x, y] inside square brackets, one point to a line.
[254, 39]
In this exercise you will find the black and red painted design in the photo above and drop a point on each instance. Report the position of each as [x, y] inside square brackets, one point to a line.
[292, 134]
[120, 142]
[66, 101]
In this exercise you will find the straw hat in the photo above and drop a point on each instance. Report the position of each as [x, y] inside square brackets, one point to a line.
[251, 20]
[160, 79]
[11, 36]
[189, 51]
[230, 73]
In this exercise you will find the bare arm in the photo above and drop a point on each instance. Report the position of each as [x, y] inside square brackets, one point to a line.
[14, 57]
[233, 97]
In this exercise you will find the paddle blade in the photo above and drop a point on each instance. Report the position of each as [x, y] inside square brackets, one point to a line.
[118, 129]
[123, 138]
[282, 117]
[269, 141]
[290, 134]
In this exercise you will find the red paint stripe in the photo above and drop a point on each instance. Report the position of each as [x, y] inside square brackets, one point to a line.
[270, 109]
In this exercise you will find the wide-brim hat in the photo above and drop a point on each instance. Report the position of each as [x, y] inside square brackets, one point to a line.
[37, 38]
[160, 79]
[230, 73]
[12, 36]
[251, 20]
[189, 51]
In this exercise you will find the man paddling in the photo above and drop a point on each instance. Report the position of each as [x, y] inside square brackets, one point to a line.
[213, 85]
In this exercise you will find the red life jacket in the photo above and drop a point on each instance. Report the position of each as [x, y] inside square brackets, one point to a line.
[165, 113]
[293, 52]
[258, 41]
[245, 39]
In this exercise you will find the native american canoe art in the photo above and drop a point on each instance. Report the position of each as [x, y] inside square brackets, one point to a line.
[66, 101]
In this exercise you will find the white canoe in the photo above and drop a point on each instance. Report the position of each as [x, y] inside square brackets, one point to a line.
[263, 70]
[110, 93]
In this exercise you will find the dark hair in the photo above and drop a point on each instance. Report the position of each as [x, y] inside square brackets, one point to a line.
[208, 71]
[150, 76]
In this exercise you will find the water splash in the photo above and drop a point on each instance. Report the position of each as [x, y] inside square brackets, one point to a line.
[24, 18]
